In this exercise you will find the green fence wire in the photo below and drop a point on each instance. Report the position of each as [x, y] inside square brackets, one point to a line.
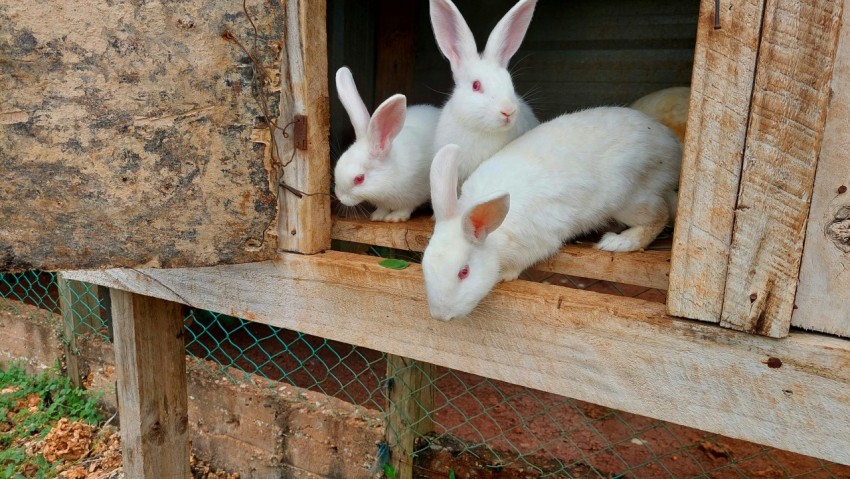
[494, 428]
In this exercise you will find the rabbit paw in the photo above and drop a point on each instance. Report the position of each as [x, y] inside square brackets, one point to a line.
[618, 242]
[510, 275]
[396, 216]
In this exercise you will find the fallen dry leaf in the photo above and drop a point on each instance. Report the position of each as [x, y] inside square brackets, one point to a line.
[67, 440]
[76, 472]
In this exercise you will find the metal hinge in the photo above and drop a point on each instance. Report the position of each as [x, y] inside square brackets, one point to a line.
[299, 132]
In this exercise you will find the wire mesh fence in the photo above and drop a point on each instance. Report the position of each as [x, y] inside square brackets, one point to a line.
[467, 426]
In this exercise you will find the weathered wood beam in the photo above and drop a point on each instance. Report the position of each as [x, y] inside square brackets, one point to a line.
[786, 127]
[721, 87]
[410, 401]
[303, 129]
[129, 133]
[78, 302]
[619, 352]
[150, 359]
[823, 298]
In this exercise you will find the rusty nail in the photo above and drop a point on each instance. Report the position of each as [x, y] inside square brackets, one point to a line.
[773, 363]
[717, 14]
[842, 189]
[753, 297]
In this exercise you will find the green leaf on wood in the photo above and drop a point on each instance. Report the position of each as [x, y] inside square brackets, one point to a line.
[394, 263]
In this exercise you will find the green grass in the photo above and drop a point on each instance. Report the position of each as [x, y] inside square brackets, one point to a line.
[18, 425]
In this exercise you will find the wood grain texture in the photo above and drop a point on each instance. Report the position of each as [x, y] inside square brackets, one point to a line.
[823, 298]
[784, 136]
[305, 220]
[410, 400]
[618, 352]
[128, 134]
[150, 359]
[642, 268]
[79, 304]
[721, 87]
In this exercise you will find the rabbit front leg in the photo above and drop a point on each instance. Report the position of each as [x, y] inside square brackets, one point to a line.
[392, 216]
[510, 273]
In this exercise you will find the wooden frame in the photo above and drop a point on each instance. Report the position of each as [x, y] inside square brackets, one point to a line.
[734, 260]
[748, 173]
[619, 352]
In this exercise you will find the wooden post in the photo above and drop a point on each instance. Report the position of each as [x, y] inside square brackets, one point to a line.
[152, 399]
[410, 395]
[790, 101]
[721, 88]
[305, 204]
[78, 302]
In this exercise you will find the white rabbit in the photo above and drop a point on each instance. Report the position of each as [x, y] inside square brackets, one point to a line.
[484, 112]
[388, 163]
[669, 106]
[566, 177]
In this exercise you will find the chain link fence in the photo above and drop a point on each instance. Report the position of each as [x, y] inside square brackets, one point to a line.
[469, 426]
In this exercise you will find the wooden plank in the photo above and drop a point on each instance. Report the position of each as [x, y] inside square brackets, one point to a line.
[823, 299]
[721, 87]
[128, 134]
[410, 399]
[642, 268]
[80, 307]
[618, 352]
[150, 362]
[784, 136]
[396, 56]
[305, 219]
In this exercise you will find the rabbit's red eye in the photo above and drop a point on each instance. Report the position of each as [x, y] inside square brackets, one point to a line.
[476, 85]
[358, 180]
[463, 273]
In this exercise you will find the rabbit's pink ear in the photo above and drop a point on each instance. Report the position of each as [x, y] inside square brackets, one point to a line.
[507, 36]
[483, 218]
[351, 101]
[453, 34]
[444, 183]
[385, 124]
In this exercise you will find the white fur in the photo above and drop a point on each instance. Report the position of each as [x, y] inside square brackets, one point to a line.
[571, 175]
[475, 120]
[396, 176]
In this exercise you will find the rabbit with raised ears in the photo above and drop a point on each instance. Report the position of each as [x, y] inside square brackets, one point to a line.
[388, 163]
[569, 176]
[484, 112]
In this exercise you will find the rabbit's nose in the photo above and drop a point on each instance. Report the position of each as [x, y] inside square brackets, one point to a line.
[507, 113]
